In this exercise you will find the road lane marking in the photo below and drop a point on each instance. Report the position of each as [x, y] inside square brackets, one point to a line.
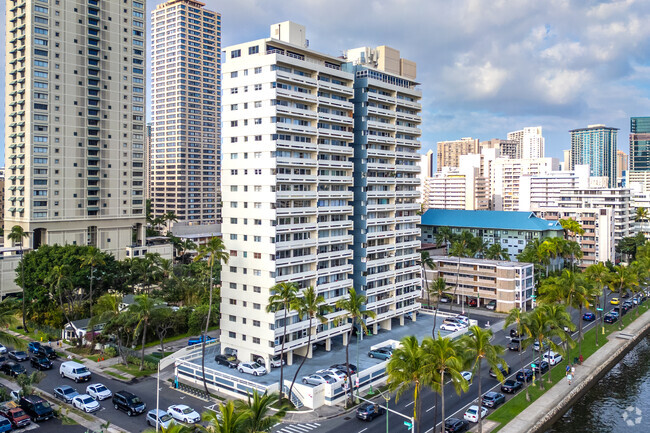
[361, 431]
[409, 404]
[431, 408]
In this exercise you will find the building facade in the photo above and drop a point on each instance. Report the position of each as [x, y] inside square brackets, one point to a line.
[74, 117]
[530, 142]
[621, 164]
[296, 185]
[185, 146]
[457, 189]
[449, 151]
[506, 179]
[595, 145]
[507, 148]
[547, 189]
[640, 144]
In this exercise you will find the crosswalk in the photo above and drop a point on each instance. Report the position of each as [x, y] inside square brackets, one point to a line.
[297, 428]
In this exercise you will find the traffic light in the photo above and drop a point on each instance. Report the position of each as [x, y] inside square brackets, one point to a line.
[408, 425]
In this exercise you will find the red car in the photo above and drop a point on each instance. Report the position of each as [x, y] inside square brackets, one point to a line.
[16, 415]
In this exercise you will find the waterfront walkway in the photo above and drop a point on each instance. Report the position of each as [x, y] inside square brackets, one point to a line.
[540, 414]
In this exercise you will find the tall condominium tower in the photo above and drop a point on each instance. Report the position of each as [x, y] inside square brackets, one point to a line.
[74, 117]
[292, 188]
[531, 142]
[185, 90]
[450, 151]
[640, 144]
[595, 145]
[507, 148]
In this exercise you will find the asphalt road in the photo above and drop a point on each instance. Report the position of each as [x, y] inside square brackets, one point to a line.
[455, 405]
[143, 388]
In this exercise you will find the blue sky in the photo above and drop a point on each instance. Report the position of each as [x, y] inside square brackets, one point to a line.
[486, 67]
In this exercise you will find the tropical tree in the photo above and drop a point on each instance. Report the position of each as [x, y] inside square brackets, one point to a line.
[58, 280]
[258, 413]
[579, 294]
[26, 382]
[142, 309]
[227, 420]
[572, 228]
[519, 318]
[93, 258]
[461, 247]
[600, 275]
[355, 313]
[170, 217]
[106, 310]
[620, 280]
[443, 356]
[477, 347]
[9, 309]
[17, 235]
[214, 252]
[426, 262]
[438, 289]
[310, 304]
[496, 252]
[546, 322]
[444, 236]
[283, 296]
[558, 320]
[478, 247]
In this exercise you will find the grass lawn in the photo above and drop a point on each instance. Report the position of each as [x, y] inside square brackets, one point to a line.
[173, 338]
[134, 370]
[34, 334]
[518, 403]
[119, 376]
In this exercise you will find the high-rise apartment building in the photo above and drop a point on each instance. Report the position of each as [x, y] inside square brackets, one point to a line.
[314, 148]
[427, 162]
[531, 142]
[450, 151]
[74, 122]
[186, 92]
[595, 145]
[621, 163]
[457, 188]
[506, 179]
[547, 189]
[507, 148]
[640, 144]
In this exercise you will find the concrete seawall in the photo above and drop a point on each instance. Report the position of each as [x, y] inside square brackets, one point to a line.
[541, 414]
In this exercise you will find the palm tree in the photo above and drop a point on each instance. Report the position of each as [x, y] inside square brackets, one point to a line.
[460, 248]
[213, 251]
[478, 247]
[8, 311]
[107, 309]
[519, 318]
[497, 252]
[57, 279]
[257, 412]
[477, 347]
[599, 274]
[93, 258]
[573, 228]
[283, 296]
[443, 356]
[621, 279]
[578, 295]
[426, 262]
[17, 235]
[170, 217]
[438, 289]
[355, 312]
[312, 305]
[641, 268]
[142, 308]
[557, 320]
[444, 236]
[175, 428]
[227, 420]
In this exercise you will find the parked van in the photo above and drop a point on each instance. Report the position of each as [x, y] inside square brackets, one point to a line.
[75, 371]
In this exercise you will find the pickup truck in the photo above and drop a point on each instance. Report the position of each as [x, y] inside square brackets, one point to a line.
[15, 415]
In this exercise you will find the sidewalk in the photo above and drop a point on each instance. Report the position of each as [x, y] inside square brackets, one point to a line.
[539, 416]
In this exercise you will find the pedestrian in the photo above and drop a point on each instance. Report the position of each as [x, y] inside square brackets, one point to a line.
[573, 370]
[568, 369]
[569, 378]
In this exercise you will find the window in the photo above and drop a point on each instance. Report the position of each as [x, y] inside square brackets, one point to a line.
[233, 302]
[232, 334]
[235, 53]
[258, 87]
[257, 306]
[256, 340]
[233, 74]
[258, 70]
[257, 255]
[254, 50]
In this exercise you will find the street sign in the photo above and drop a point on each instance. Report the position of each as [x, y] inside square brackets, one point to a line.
[599, 309]
[408, 425]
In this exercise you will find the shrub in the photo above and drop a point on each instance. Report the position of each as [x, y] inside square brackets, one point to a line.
[110, 352]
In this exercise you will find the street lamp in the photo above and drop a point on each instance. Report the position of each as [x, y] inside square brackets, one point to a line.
[386, 397]
[358, 366]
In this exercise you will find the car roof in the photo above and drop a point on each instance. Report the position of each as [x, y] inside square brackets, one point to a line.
[179, 406]
[158, 412]
[65, 387]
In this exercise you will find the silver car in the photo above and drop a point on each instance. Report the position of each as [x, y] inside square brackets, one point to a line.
[251, 368]
[317, 379]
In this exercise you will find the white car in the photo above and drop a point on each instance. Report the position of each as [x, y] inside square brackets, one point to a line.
[184, 413]
[251, 368]
[453, 327]
[85, 403]
[472, 413]
[15, 395]
[463, 319]
[467, 375]
[317, 379]
[337, 374]
[98, 391]
[552, 357]
[3, 350]
[277, 361]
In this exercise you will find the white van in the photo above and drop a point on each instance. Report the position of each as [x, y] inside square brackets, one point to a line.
[75, 371]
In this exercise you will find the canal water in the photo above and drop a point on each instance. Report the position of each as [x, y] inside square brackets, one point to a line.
[618, 403]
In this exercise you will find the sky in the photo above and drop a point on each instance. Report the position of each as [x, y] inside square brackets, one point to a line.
[486, 67]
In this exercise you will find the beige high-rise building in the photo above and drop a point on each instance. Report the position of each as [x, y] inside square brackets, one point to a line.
[621, 163]
[507, 148]
[74, 117]
[185, 90]
[450, 151]
[531, 142]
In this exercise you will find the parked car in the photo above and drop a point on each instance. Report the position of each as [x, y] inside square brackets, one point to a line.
[514, 333]
[33, 346]
[492, 305]
[614, 301]
[65, 393]
[251, 368]
[493, 399]
[453, 327]
[540, 367]
[343, 367]
[381, 353]
[589, 316]
[75, 371]
[40, 362]
[12, 369]
[47, 351]
[453, 321]
[446, 299]
[505, 370]
[552, 357]
[16, 416]
[228, 361]
[184, 413]
[610, 318]
[98, 391]
[198, 340]
[317, 379]
[37, 408]
[160, 417]
[129, 403]
[467, 375]
[18, 355]
[525, 375]
[537, 349]
[3, 349]
[277, 361]
[473, 412]
[5, 425]
[334, 372]
[455, 425]
[515, 344]
[511, 386]
[230, 351]
[86, 403]
[368, 411]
